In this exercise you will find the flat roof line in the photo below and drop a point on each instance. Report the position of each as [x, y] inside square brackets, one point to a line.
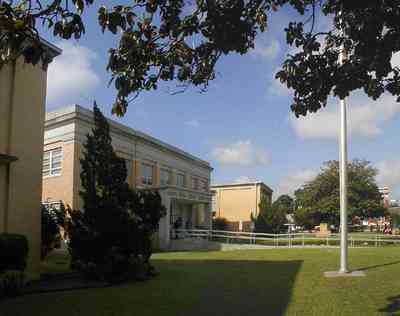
[58, 116]
[240, 184]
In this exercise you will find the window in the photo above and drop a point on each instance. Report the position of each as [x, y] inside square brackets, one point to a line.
[52, 162]
[147, 174]
[128, 164]
[180, 180]
[165, 176]
[195, 183]
[204, 185]
[214, 203]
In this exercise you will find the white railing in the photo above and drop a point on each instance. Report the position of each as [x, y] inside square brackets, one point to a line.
[287, 239]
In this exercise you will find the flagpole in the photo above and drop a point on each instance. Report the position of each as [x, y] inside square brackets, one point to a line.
[343, 176]
[343, 188]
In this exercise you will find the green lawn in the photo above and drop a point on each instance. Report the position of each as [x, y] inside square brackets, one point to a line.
[250, 283]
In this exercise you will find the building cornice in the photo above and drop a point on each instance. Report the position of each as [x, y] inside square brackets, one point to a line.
[78, 113]
[244, 184]
[7, 159]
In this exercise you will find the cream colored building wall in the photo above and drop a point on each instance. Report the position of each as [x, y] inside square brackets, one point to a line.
[3, 194]
[236, 204]
[22, 111]
[61, 187]
[71, 125]
[6, 75]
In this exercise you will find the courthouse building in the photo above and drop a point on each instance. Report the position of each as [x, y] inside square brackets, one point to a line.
[182, 179]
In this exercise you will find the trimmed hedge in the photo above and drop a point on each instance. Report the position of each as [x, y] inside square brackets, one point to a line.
[13, 252]
[12, 283]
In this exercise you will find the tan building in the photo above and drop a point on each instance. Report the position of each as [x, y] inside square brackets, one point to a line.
[22, 112]
[183, 180]
[237, 202]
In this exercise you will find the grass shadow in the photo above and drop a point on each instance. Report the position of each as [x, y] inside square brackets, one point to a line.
[393, 308]
[184, 287]
[379, 266]
[235, 288]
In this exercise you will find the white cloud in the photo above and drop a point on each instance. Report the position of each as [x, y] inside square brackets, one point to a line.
[71, 74]
[395, 60]
[242, 153]
[192, 123]
[243, 179]
[389, 174]
[268, 50]
[366, 118]
[294, 181]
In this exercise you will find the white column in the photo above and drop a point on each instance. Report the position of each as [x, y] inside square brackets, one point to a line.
[208, 214]
[164, 227]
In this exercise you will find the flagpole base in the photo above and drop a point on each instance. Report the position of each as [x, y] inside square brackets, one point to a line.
[349, 274]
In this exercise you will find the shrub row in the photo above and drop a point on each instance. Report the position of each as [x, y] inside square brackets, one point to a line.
[13, 255]
[13, 252]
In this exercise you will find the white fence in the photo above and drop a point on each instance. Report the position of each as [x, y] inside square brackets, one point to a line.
[288, 239]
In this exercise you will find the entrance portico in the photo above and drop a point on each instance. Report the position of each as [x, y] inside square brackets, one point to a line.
[192, 207]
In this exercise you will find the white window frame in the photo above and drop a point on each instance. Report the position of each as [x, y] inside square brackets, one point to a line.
[204, 185]
[195, 183]
[168, 180]
[128, 166]
[147, 179]
[53, 171]
[183, 184]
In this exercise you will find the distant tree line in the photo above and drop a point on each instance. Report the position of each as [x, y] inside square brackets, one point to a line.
[318, 201]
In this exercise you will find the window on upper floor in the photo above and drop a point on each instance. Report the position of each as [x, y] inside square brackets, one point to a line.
[128, 165]
[147, 174]
[165, 176]
[214, 203]
[180, 180]
[52, 162]
[204, 185]
[195, 183]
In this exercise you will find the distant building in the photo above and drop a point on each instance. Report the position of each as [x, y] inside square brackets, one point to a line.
[385, 191]
[237, 202]
[181, 178]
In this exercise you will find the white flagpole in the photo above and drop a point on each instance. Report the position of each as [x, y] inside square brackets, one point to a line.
[343, 177]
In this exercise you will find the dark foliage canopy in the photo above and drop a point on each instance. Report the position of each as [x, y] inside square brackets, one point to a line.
[53, 221]
[271, 219]
[285, 203]
[319, 200]
[182, 41]
[111, 238]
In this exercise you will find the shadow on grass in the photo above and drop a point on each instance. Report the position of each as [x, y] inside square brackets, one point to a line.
[185, 287]
[393, 308]
[379, 265]
[235, 288]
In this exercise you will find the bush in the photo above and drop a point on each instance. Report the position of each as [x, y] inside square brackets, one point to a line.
[220, 223]
[12, 283]
[13, 252]
[271, 219]
[116, 248]
[53, 221]
[111, 238]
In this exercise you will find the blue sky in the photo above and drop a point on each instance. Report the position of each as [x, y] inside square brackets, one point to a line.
[243, 124]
